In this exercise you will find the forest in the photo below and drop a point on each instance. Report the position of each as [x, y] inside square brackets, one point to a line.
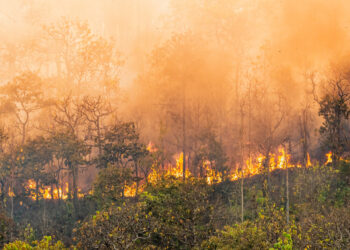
[174, 124]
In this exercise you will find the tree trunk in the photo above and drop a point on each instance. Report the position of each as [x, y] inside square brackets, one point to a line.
[36, 191]
[242, 199]
[287, 193]
[75, 189]
[184, 139]
[99, 137]
[23, 133]
[137, 178]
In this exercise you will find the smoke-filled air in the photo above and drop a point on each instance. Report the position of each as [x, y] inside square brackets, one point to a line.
[174, 124]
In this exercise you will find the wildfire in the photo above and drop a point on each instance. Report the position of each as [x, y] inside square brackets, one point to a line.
[130, 191]
[177, 171]
[170, 170]
[329, 158]
[256, 167]
[11, 193]
[308, 163]
[48, 192]
[151, 148]
[212, 176]
[252, 166]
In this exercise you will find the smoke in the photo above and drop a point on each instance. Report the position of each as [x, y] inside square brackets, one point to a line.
[218, 48]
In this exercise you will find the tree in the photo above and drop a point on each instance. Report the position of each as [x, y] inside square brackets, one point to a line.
[68, 115]
[128, 226]
[122, 149]
[211, 151]
[35, 156]
[240, 236]
[8, 229]
[110, 184]
[73, 152]
[185, 91]
[270, 111]
[171, 214]
[181, 210]
[335, 111]
[83, 59]
[118, 144]
[24, 95]
[45, 244]
[94, 110]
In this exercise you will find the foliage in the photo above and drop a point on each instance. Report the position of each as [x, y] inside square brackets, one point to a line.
[122, 227]
[335, 111]
[182, 211]
[241, 236]
[7, 229]
[110, 184]
[45, 244]
[120, 144]
[171, 214]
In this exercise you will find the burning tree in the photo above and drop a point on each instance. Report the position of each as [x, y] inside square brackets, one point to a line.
[334, 108]
[72, 151]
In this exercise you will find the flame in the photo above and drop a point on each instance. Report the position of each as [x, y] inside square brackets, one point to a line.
[282, 161]
[151, 148]
[252, 167]
[48, 193]
[329, 158]
[130, 191]
[177, 171]
[170, 170]
[212, 176]
[308, 163]
[31, 184]
[11, 193]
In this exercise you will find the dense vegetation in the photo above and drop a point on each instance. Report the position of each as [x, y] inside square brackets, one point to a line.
[174, 214]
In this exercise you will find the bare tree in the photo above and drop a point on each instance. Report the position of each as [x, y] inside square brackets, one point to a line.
[95, 109]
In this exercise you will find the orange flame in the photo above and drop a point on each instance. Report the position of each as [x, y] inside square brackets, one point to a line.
[45, 192]
[308, 163]
[329, 158]
[130, 191]
[11, 193]
[212, 176]
[252, 167]
[151, 148]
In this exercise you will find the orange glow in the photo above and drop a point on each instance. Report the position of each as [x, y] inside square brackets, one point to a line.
[45, 192]
[308, 163]
[252, 167]
[151, 148]
[212, 176]
[11, 193]
[130, 191]
[170, 170]
[329, 158]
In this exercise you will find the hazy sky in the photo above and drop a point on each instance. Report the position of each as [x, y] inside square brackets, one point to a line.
[134, 24]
